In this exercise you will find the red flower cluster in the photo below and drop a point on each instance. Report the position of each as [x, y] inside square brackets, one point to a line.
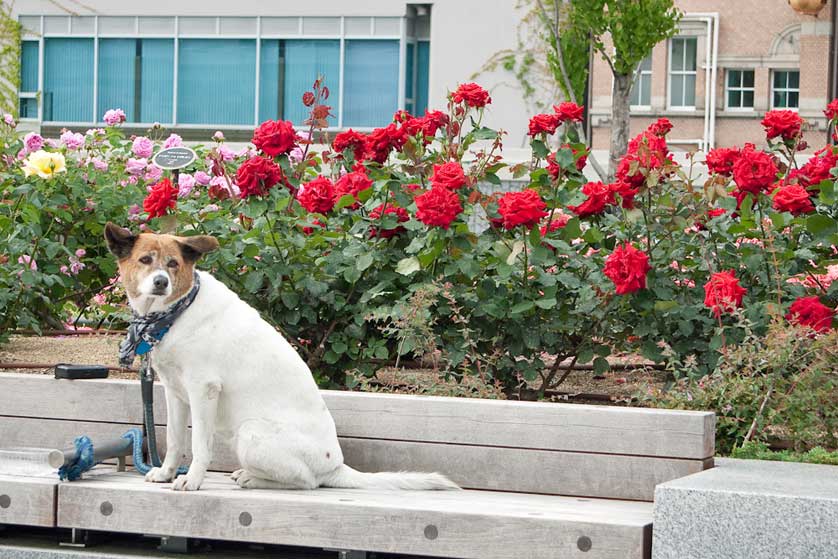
[817, 169]
[543, 124]
[382, 141]
[782, 123]
[754, 171]
[553, 168]
[627, 268]
[449, 175]
[316, 223]
[351, 140]
[352, 183]
[472, 95]
[809, 311]
[161, 197]
[793, 198]
[722, 293]
[626, 192]
[257, 175]
[661, 127]
[438, 207]
[569, 111]
[317, 196]
[599, 195]
[559, 221]
[646, 152]
[831, 111]
[275, 137]
[401, 216]
[721, 160]
[426, 125]
[521, 208]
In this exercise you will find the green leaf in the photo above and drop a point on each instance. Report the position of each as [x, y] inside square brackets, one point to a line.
[345, 201]
[522, 307]
[601, 366]
[663, 306]
[492, 179]
[484, 133]
[539, 149]
[546, 303]
[407, 266]
[364, 261]
[821, 225]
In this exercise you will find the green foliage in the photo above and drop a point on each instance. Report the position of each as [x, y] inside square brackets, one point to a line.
[760, 451]
[9, 59]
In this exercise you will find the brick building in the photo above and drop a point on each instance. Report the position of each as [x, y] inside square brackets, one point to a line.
[729, 63]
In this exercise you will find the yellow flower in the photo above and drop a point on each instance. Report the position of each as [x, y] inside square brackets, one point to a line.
[44, 164]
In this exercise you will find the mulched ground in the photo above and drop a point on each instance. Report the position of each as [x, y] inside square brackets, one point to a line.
[614, 387]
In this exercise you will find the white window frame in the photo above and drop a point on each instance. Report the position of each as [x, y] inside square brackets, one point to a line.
[638, 80]
[741, 89]
[786, 89]
[671, 73]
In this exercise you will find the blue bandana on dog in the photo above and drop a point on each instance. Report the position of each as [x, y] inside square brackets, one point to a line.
[146, 331]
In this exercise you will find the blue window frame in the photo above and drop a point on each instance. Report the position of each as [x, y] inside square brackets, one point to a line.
[136, 75]
[371, 82]
[68, 80]
[423, 59]
[28, 79]
[216, 81]
[409, 82]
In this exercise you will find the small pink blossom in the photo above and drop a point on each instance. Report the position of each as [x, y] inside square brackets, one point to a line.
[98, 134]
[172, 141]
[64, 270]
[136, 166]
[9, 120]
[99, 165]
[52, 142]
[72, 140]
[76, 266]
[27, 260]
[89, 205]
[247, 153]
[218, 136]
[208, 208]
[142, 147]
[134, 213]
[114, 116]
[33, 142]
[80, 252]
[99, 299]
[226, 153]
[186, 183]
[202, 178]
[153, 173]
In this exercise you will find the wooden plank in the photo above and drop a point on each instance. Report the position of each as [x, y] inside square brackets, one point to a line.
[29, 501]
[468, 524]
[475, 467]
[535, 425]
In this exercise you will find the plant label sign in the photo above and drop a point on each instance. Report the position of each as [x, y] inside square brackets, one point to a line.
[174, 158]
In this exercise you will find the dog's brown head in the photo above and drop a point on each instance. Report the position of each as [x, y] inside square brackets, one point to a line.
[156, 270]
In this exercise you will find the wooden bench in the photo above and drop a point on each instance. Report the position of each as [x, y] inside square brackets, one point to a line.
[542, 480]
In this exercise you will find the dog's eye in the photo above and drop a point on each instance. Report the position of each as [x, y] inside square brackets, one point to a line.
[145, 259]
[173, 264]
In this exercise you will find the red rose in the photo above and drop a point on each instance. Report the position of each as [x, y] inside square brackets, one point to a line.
[599, 196]
[754, 171]
[661, 127]
[401, 216]
[274, 137]
[831, 110]
[569, 111]
[809, 311]
[716, 212]
[626, 192]
[382, 141]
[449, 175]
[433, 121]
[317, 196]
[554, 168]
[627, 268]
[521, 208]
[793, 198]
[723, 292]
[559, 221]
[646, 152]
[257, 175]
[351, 140]
[472, 95]
[783, 123]
[817, 169]
[721, 160]
[352, 183]
[161, 197]
[438, 207]
[543, 124]
[315, 223]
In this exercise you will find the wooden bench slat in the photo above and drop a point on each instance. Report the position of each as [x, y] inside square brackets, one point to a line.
[29, 501]
[466, 524]
[533, 425]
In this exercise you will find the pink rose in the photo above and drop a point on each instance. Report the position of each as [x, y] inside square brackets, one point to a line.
[142, 147]
[71, 140]
[173, 141]
[33, 142]
[135, 166]
[202, 178]
[114, 116]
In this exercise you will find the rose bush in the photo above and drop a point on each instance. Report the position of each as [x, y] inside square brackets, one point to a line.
[340, 247]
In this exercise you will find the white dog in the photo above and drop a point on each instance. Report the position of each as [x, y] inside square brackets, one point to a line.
[241, 379]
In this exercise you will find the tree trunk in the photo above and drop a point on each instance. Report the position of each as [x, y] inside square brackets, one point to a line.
[620, 123]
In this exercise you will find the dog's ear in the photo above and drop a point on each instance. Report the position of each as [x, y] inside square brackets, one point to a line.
[195, 247]
[120, 240]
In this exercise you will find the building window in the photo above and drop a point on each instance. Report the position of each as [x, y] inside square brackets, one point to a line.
[740, 89]
[371, 79]
[28, 107]
[785, 89]
[682, 65]
[137, 76]
[641, 90]
[416, 78]
[68, 80]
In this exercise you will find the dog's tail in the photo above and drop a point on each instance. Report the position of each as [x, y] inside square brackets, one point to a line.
[348, 478]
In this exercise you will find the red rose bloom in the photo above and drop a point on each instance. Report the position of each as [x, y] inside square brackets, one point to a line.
[257, 175]
[721, 160]
[723, 292]
[351, 140]
[754, 171]
[831, 110]
[161, 197]
[316, 223]
[559, 221]
[599, 196]
[809, 311]
[817, 169]
[783, 123]
[438, 207]
[661, 127]
[382, 141]
[352, 183]
[627, 268]
[716, 212]
[401, 216]
[543, 124]
[449, 175]
[626, 192]
[569, 111]
[793, 198]
[433, 121]
[274, 137]
[472, 95]
[646, 152]
[317, 196]
[554, 168]
[521, 208]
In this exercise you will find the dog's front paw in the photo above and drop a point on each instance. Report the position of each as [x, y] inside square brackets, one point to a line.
[160, 475]
[188, 482]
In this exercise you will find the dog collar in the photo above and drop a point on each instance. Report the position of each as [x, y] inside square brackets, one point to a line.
[146, 331]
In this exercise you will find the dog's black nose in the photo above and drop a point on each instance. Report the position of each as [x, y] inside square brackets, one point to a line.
[161, 282]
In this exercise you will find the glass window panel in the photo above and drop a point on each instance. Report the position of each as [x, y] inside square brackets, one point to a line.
[117, 76]
[270, 101]
[201, 60]
[677, 54]
[83, 25]
[748, 78]
[410, 54]
[68, 80]
[157, 80]
[28, 108]
[31, 24]
[779, 79]
[371, 78]
[56, 24]
[305, 60]
[793, 99]
[793, 80]
[677, 90]
[748, 99]
[779, 99]
[422, 65]
[646, 64]
[29, 66]
[689, 90]
[689, 53]
[734, 99]
[734, 78]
